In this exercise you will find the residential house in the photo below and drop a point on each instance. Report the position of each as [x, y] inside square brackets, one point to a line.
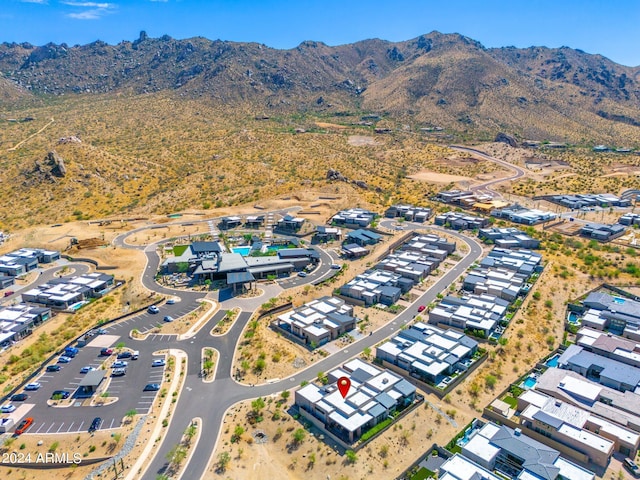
[602, 232]
[481, 313]
[319, 321]
[363, 237]
[374, 396]
[353, 218]
[516, 455]
[427, 353]
[63, 292]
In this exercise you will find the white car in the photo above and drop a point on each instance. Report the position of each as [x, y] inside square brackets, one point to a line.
[32, 386]
[8, 408]
[171, 301]
[158, 363]
[87, 369]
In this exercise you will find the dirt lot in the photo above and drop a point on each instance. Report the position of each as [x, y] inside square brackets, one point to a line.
[361, 140]
[436, 177]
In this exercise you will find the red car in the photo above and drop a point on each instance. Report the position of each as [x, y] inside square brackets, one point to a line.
[23, 425]
[421, 308]
[8, 293]
[105, 352]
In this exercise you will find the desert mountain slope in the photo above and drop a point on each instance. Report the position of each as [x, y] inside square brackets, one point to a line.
[444, 79]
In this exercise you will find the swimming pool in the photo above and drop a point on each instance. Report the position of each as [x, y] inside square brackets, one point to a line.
[244, 251]
[77, 306]
[573, 318]
[618, 300]
[530, 382]
[553, 361]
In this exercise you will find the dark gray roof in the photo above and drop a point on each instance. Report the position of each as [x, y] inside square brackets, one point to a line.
[537, 457]
[205, 247]
[404, 387]
[239, 277]
[611, 369]
[360, 375]
[544, 417]
[376, 410]
[385, 400]
[297, 252]
[93, 378]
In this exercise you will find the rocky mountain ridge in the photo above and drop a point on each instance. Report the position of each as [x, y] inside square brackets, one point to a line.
[436, 79]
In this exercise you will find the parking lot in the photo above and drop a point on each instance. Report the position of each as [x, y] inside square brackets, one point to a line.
[76, 414]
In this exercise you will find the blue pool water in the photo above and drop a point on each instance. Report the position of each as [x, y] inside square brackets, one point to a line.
[244, 251]
[530, 382]
[77, 306]
[618, 300]
[553, 361]
[573, 318]
[275, 248]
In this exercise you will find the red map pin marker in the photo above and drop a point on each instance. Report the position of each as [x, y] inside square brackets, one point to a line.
[344, 384]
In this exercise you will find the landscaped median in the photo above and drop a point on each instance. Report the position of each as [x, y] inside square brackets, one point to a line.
[155, 438]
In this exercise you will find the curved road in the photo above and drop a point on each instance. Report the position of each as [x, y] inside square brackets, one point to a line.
[210, 401]
[485, 187]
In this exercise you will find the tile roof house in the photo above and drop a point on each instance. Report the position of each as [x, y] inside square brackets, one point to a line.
[575, 427]
[515, 455]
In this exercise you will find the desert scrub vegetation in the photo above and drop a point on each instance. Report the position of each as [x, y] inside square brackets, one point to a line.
[158, 154]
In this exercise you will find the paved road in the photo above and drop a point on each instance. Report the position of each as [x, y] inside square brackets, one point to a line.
[210, 401]
[486, 187]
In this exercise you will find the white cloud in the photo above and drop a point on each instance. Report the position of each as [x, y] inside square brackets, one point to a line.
[41, 2]
[90, 4]
[94, 10]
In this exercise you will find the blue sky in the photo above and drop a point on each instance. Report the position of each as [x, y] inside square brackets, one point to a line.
[610, 28]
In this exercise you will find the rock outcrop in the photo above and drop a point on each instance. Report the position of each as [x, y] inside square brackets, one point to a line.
[508, 139]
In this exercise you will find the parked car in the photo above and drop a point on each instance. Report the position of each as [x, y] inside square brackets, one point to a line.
[87, 369]
[60, 394]
[118, 372]
[119, 364]
[32, 386]
[124, 355]
[335, 266]
[171, 301]
[151, 387]
[53, 368]
[23, 425]
[302, 274]
[105, 352]
[632, 467]
[71, 351]
[8, 293]
[421, 308]
[101, 331]
[135, 355]
[158, 363]
[168, 319]
[8, 408]
[19, 397]
[64, 359]
[153, 309]
[95, 424]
